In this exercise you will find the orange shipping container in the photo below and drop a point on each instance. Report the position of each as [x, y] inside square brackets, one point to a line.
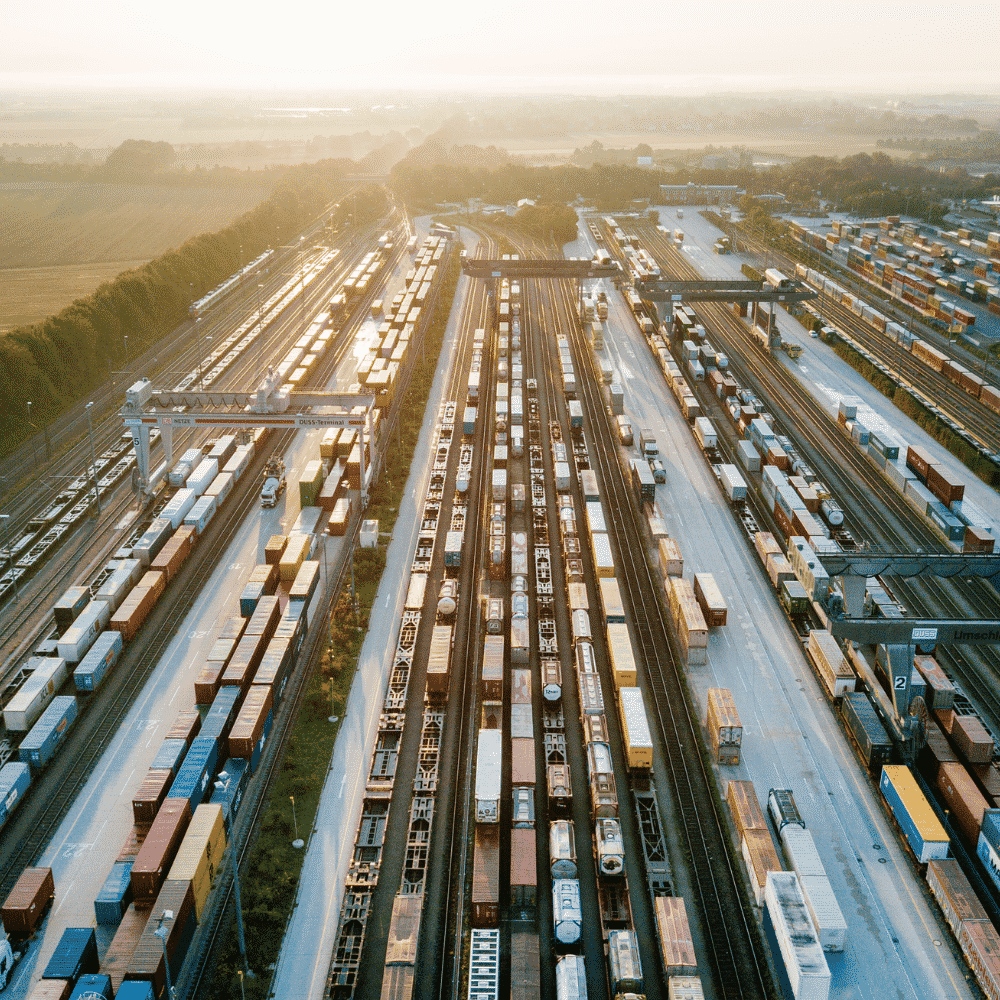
[150, 795]
[274, 548]
[119, 954]
[27, 902]
[186, 727]
[964, 800]
[208, 682]
[522, 761]
[158, 850]
[745, 807]
[249, 725]
[676, 944]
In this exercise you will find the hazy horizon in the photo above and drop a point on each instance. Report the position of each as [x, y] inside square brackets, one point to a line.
[549, 47]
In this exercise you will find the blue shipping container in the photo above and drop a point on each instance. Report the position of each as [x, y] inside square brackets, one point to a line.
[91, 987]
[101, 657]
[231, 797]
[75, 955]
[195, 776]
[169, 756]
[222, 713]
[259, 745]
[135, 989]
[292, 625]
[252, 593]
[15, 777]
[115, 895]
[39, 746]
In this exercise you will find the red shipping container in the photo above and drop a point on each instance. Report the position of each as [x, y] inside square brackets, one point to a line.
[963, 799]
[158, 850]
[208, 682]
[150, 795]
[122, 948]
[245, 660]
[248, 726]
[233, 627]
[134, 840]
[972, 740]
[186, 727]
[27, 902]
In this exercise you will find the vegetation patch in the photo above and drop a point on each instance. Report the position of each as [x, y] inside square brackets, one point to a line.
[55, 362]
[270, 878]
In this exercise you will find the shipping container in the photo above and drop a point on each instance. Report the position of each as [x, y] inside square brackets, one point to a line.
[147, 962]
[159, 848]
[759, 858]
[965, 802]
[709, 597]
[75, 955]
[799, 953]
[47, 675]
[47, 734]
[915, 815]
[950, 887]
[15, 778]
[745, 807]
[100, 658]
[831, 664]
[115, 895]
[27, 902]
[80, 636]
[486, 876]
[200, 853]
[725, 731]
[674, 934]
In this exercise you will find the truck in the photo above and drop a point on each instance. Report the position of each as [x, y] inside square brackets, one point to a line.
[274, 482]
[624, 430]
[647, 443]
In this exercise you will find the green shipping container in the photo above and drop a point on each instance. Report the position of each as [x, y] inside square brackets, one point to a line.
[310, 483]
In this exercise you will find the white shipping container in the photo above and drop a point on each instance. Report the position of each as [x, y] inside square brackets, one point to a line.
[604, 561]
[803, 958]
[595, 516]
[178, 506]
[705, 432]
[748, 456]
[801, 850]
[562, 475]
[220, 487]
[203, 474]
[239, 461]
[201, 513]
[825, 911]
[733, 484]
[36, 692]
[499, 485]
[184, 466]
[488, 776]
[80, 636]
[306, 522]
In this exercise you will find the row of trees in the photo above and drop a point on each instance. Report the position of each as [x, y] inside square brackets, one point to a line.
[55, 362]
[865, 183]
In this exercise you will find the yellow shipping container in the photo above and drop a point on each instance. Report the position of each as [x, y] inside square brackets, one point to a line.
[622, 656]
[293, 556]
[200, 853]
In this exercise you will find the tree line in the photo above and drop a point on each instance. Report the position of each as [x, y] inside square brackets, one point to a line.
[56, 361]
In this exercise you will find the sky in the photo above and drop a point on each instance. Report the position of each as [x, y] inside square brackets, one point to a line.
[581, 46]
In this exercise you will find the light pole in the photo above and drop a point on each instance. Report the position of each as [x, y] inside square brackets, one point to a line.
[10, 555]
[161, 932]
[297, 843]
[93, 464]
[126, 354]
[34, 455]
[260, 340]
[222, 784]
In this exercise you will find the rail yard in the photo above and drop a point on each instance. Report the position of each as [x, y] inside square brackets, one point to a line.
[607, 743]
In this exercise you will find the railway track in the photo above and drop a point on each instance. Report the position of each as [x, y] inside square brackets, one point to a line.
[889, 522]
[55, 791]
[737, 969]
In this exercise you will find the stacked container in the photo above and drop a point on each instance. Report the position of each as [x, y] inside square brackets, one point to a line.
[725, 731]
[688, 621]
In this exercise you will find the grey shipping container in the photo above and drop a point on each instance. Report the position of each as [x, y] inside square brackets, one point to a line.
[867, 729]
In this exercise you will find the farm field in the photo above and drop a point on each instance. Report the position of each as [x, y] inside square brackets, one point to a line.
[62, 240]
[29, 294]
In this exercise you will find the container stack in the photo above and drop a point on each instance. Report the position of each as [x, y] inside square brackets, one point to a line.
[725, 731]
[830, 663]
[688, 621]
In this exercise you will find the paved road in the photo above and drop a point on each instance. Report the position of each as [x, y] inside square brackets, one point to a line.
[304, 962]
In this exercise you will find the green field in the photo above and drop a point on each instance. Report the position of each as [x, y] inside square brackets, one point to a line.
[62, 240]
